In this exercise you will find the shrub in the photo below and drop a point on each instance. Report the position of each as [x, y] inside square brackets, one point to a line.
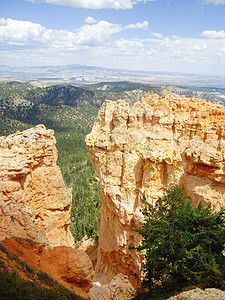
[3, 248]
[13, 287]
[44, 277]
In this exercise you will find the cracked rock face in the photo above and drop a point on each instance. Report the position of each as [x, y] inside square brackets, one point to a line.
[34, 202]
[144, 149]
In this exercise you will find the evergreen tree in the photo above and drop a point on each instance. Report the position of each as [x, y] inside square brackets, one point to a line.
[182, 244]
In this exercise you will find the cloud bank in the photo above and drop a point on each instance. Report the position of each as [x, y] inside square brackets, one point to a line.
[215, 2]
[16, 32]
[103, 43]
[213, 34]
[94, 4]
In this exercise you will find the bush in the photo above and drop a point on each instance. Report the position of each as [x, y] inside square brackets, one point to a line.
[44, 277]
[182, 244]
[3, 248]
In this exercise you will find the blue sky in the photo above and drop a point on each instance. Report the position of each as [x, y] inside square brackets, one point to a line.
[153, 35]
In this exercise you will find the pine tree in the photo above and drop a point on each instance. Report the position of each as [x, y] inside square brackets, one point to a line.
[182, 244]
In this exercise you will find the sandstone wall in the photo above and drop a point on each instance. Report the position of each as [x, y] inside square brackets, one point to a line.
[34, 202]
[142, 150]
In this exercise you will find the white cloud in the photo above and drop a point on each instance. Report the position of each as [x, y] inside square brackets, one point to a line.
[213, 34]
[90, 20]
[166, 42]
[198, 47]
[129, 47]
[143, 25]
[185, 54]
[158, 35]
[215, 2]
[24, 32]
[221, 52]
[21, 31]
[97, 33]
[177, 42]
[107, 44]
[94, 4]
[151, 52]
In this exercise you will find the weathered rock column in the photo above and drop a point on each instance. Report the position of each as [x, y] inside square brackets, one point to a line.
[141, 150]
[34, 201]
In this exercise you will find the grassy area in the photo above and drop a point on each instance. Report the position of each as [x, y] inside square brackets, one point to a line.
[12, 286]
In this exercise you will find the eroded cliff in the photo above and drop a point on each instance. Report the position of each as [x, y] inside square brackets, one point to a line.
[35, 208]
[35, 203]
[142, 150]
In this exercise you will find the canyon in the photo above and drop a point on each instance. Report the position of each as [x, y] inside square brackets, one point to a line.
[137, 151]
[141, 150]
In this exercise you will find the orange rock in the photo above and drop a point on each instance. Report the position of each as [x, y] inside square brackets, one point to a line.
[90, 246]
[70, 267]
[142, 150]
[34, 201]
[35, 205]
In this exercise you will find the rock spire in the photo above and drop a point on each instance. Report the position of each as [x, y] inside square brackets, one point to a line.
[142, 150]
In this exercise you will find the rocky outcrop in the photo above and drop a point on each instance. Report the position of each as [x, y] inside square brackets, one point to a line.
[142, 150]
[68, 266]
[119, 288]
[35, 208]
[90, 246]
[196, 294]
[204, 167]
[34, 202]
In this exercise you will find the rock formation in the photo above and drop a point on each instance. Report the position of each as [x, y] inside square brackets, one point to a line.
[119, 288]
[90, 246]
[35, 207]
[144, 149]
[70, 267]
[34, 202]
[207, 294]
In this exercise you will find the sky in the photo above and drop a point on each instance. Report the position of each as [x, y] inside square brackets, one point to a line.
[185, 36]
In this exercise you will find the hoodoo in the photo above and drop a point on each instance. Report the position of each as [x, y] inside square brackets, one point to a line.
[35, 202]
[142, 150]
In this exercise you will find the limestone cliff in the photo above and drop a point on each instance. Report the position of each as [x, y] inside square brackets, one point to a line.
[142, 150]
[34, 202]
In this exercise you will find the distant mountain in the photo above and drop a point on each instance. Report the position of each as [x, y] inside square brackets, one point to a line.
[81, 74]
[23, 102]
[66, 67]
[57, 95]
[134, 91]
